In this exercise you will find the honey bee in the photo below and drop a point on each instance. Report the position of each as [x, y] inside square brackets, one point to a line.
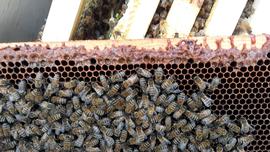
[225, 139]
[36, 130]
[4, 82]
[75, 115]
[140, 134]
[180, 123]
[91, 143]
[27, 107]
[191, 115]
[192, 147]
[172, 107]
[39, 80]
[79, 141]
[159, 75]
[245, 140]
[182, 142]
[231, 143]
[221, 131]
[22, 87]
[70, 84]
[65, 93]
[219, 148]
[206, 100]
[167, 83]
[143, 85]
[117, 114]
[79, 88]
[144, 146]
[204, 145]
[174, 133]
[163, 140]
[177, 114]
[67, 143]
[35, 96]
[233, 127]
[76, 102]
[199, 133]
[118, 129]
[54, 117]
[13, 95]
[118, 77]
[117, 146]
[36, 143]
[214, 84]
[225, 119]
[169, 99]
[204, 113]
[92, 149]
[10, 119]
[245, 126]
[58, 100]
[105, 122]
[139, 114]
[189, 126]
[131, 81]
[160, 109]
[50, 90]
[8, 143]
[192, 104]
[200, 83]
[208, 120]
[143, 72]
[85, 125]
[104, 82]
[160, 128]
[10, 107]
[156, 118]
[106, 131]
[144, 101]
[6, 130]
[130, 106]
[123, 136]
[45, 128]
[168, 123]
[161, 99]
[113, 91]
[161, 148]
[98, 89]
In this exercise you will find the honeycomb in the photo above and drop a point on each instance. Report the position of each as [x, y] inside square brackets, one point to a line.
[244, 89]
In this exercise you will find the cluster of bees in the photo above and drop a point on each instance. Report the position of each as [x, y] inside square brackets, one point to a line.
[98, 18]
[142, 112]
[157, 28]
[198, 27]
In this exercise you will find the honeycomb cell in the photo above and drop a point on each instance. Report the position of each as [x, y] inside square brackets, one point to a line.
[124, 67]
[22, 70]
[71, 74]
[85, 68]
[93, 61]
[89, 74]
[67, 69]
[64, 62]
[117, 67]
[104, 67]
[98, 67]
[168, 66]
[80, 68]
[71, 63]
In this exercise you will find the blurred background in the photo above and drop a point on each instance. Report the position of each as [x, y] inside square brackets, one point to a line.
[21, 20]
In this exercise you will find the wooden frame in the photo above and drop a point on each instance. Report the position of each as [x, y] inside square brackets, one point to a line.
[136, 20]
[62, 20]
[224, 17]
[182, 16]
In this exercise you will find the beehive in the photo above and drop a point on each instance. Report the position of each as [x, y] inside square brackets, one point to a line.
[242, 63]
